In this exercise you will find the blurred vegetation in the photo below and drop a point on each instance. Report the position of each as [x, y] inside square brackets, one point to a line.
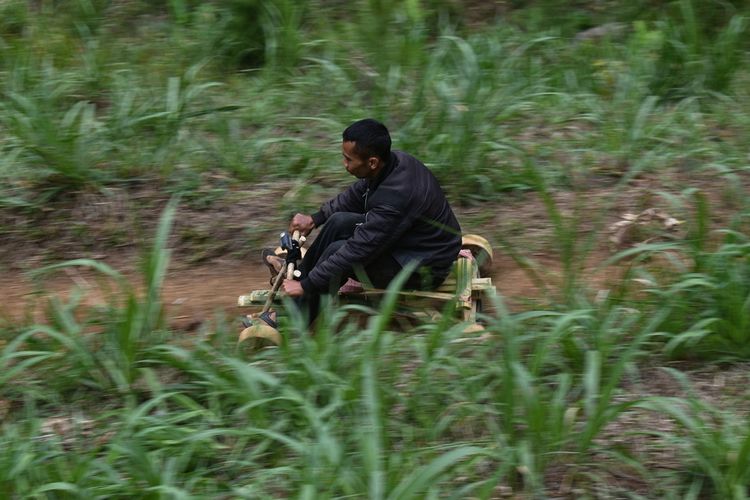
[103, 92]
[504, 98]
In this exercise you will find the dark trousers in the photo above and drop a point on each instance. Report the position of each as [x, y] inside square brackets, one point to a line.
[333, 235]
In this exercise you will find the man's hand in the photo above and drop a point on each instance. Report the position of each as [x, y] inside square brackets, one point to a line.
[302, 223]
[293, 288]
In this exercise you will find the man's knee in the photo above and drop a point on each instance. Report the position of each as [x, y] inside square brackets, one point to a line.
[341, 225]
[331, 249]
[345, 220]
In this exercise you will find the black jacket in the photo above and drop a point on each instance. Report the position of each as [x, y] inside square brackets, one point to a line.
[406, 214]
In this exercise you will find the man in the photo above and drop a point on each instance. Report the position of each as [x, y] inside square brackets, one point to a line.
[393, 215]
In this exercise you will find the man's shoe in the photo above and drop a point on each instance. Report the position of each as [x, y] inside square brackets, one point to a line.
[274, 263]
[269, 318]
[262, 327]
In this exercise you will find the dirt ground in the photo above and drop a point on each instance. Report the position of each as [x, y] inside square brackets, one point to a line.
[193, 294]
[216, 247]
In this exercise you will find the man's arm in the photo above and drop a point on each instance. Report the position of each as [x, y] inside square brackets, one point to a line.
[384, 225]
[350, 200]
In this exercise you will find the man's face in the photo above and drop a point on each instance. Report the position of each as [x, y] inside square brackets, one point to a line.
[359, 167]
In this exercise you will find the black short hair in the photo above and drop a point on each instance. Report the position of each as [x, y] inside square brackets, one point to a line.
[370, 138]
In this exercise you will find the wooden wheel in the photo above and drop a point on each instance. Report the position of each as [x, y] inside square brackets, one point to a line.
[258, 336]
[481, 249]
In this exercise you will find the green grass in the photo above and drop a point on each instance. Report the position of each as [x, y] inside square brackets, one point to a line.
[104, 401]
[349, 411]
[716, 445]
[103, 107]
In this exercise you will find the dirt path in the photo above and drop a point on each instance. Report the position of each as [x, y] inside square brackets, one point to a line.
[192, 294]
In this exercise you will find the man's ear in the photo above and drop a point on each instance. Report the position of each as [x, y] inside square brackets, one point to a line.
[373, 162]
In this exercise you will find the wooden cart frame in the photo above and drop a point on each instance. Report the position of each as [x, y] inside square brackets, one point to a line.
[466, 286]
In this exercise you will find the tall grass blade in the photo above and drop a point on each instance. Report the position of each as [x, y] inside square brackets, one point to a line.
[415, 484]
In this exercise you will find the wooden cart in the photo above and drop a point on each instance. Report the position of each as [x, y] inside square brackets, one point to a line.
[467, 286]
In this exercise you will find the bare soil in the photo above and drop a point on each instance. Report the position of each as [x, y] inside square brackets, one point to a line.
[218, 234]
[192, 293]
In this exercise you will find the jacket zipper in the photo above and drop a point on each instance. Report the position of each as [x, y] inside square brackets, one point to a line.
[366, 193]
